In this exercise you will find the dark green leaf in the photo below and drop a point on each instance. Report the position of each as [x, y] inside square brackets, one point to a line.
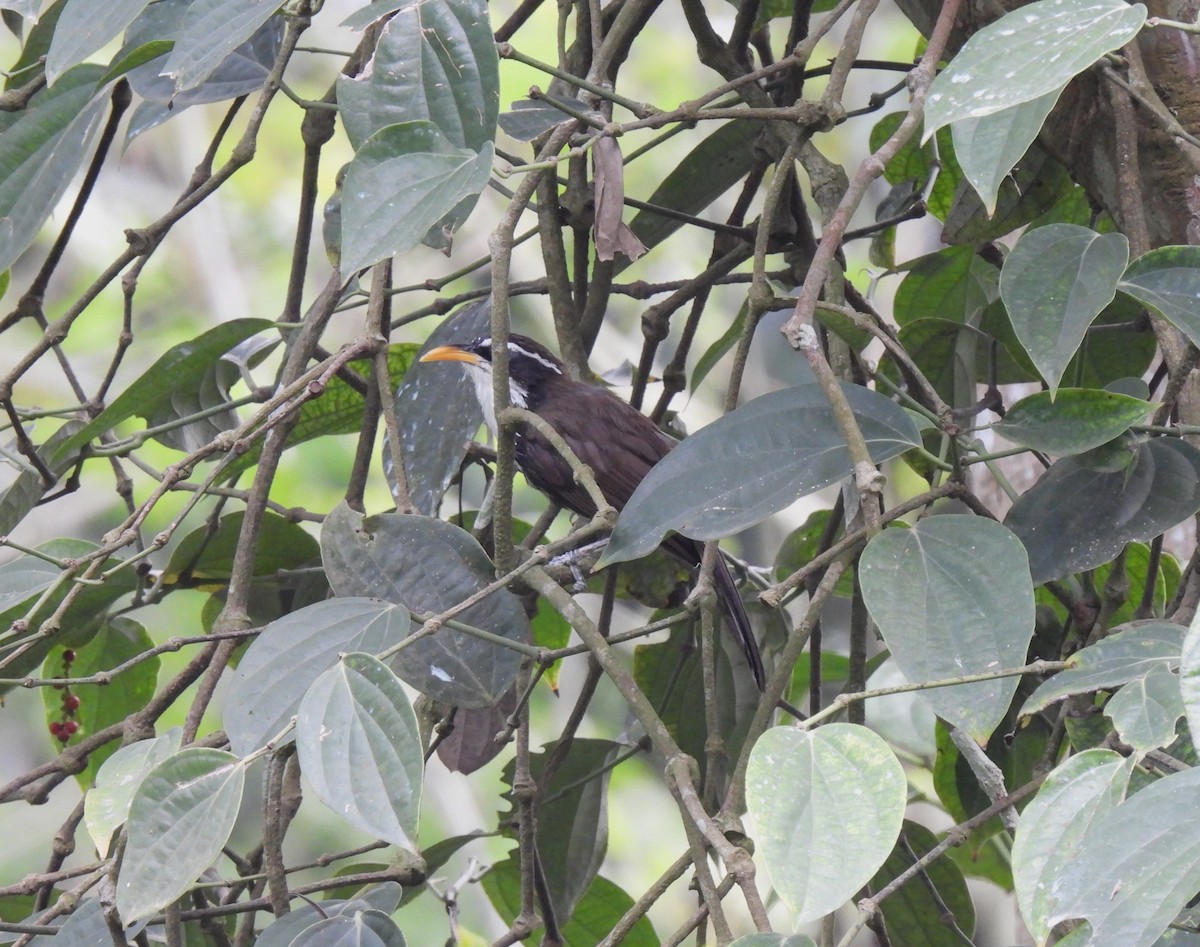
[708, 171]
[1168, 281]
[920, 914]
[952, 356]
[1036, 184]
[128, 60]
[572, 825]
[181, 366]
[181, 817]
[1076, 518]
[1163, 583]
[595, 915]
[671, 675]
[31, 63]
[204, 554]
[1073, 421]
[914, 162]
[429, 565]
[435, 63]
[715, 352]
[339, 410]
[803, 544]
[293, 652]
[402, 181]
[953, 283]
[1104, 357]
[788, 446]
[952, 596]
[86, 614]
[1054, 284]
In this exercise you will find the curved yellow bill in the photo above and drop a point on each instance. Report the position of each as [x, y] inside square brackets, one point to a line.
[450, 353]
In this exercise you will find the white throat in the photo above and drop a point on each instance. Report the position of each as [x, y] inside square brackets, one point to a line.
[481, 377]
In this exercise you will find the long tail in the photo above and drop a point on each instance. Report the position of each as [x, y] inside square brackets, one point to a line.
[739, 621]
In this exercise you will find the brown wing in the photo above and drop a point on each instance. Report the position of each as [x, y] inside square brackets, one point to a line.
[608, 434]
[603, 431]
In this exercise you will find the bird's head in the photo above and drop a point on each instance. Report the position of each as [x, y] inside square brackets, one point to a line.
[530, 366]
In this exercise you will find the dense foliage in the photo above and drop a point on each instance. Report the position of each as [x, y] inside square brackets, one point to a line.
[298, 642]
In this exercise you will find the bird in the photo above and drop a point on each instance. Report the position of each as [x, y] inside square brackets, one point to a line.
[617, 441]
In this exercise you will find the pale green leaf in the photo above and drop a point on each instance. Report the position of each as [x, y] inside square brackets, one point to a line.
[361, 750]
[179, 820]
[1054, 283]
[827, 806]
[1028, 53]
[952, 596]
[1082, 790]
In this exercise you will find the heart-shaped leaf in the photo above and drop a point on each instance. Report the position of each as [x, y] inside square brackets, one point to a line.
[1055, 283]
[360, 747]
[1028, 53]
[827, 805]
[1168, 281]
[429, 565]
[952, 596]
[180, 818]
[1078, 517]
[294, 651]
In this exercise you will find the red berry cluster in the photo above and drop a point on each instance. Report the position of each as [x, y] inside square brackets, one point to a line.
[62, 730]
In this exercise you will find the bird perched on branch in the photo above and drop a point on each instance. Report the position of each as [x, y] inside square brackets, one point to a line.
[617, 441]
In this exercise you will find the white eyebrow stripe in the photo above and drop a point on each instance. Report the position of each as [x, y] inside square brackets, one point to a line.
[514, 348]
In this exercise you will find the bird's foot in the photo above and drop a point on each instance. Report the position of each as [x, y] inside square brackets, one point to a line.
[574, 559]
